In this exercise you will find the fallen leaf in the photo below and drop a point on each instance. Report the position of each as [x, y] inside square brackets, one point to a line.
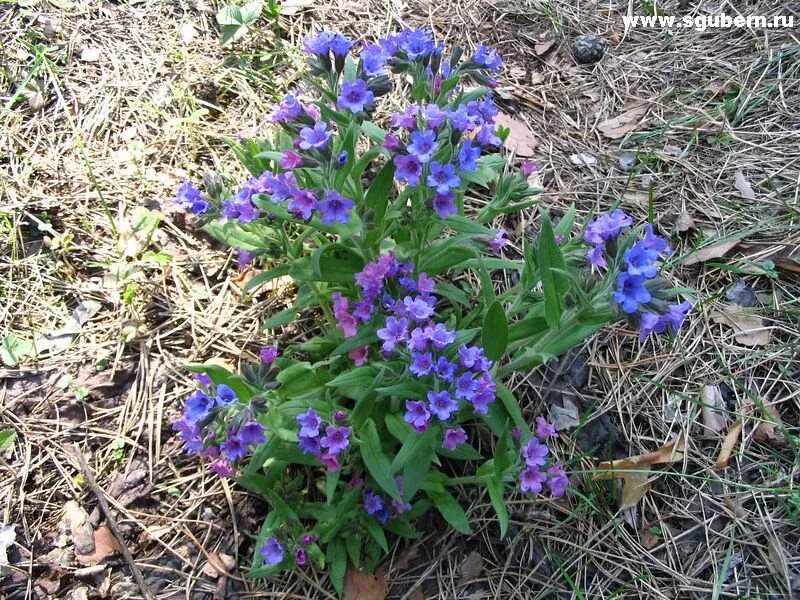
[565, 417]
[648, 539]
[709, 252]
[769, 431]
[105, 544]
[544, 47]
[743, 186]
[218, 564]
[684, 222]
[90, 54]
[417, 594]
[749, 328]
[728, 445]
[187, 33]
[360, 585]
[634, 487]
[471, 568]
[583, 160]
[670, 452]
[520, 139]
[713, 410]
[80, 528]
[788, 261]
[292, 7]
[621, 125]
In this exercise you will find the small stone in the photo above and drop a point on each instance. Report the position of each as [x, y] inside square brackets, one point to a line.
[588, 49]
[627, 160]
[742, 294]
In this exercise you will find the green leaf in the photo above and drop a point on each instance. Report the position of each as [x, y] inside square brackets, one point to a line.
[353, 544]
[331, 481]
[266, 276]
[376, 461]
[13, 350]
[462, 452]
[220, 375]
[494, 337]
[550, 261]
[373, 132]
[7, 437]
[358, 377]
[376, 531]
[498, 501]
[450, 509]
[337, 559]
[377, 199]
[414, 444]
[365, 337]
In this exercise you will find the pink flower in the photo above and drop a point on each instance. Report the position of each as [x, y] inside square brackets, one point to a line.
[359, 355]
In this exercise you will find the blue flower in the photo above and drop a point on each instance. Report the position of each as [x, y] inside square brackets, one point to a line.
[234, 448]
[468, 156]
[340, 45]
[421, 363]
[373, 60]
[373, 504]
[444, 205]
[653, 241]
[335, 208]
[417, 308]
[252, 432]
[434, 116]
[444, 369]
[487, 137]
[631, 292]
[225, 395]
[303, 204]
[466, 386]
[443, 177]
[487, 58]
[198, 406]
[309, 422]
[417, 415]
[423, 145]
[417, 43]
[272, 552]
[441, 336]
[461, 120]
[640, 260]
[189, 198]
[355, 96]
[314, 138]
[442, 404]
[408, 169]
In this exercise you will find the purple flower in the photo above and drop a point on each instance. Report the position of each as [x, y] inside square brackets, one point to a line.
[272, 552]
[331, 462]
[309, 444]
[481, 401]
[443, 178]
[373, 60]
[596, 256]
[341, 311]
[606, 227]
[675, 315]
[655, 242]
[359, 355]
[528, 167]
[355, 96]
[363, 311]
[417, 415]
[442, 337]
[189, 198]
[407, 119]
[434, 116]
[461, 120]
[290, 160]
[468, 156]
[318, 45]
[466, 386]
[444, 369]
[531, 480]
[309, 422]
[303, 204]
[268, 354]
[557, 480]
[189, 433]
[373, 503]
[409, 169]
[497, 242]
[392, 143]
[423, 145]
[225, 395]
[425, 284]
[640, 260]
[307, 539]
[468, 355]
[487, 58]
[418, 339]
[534, 453]
[222, 468]
[243, 258]
[252, 432]
[544, 430]
[335, 208]
[421, 363]
[442, 404]
[395, 331]
[198, 406]
[417, 43]
[314, 138]
[631, 293]
[487, 137]
[655, 323]
[286, 111]
[417, 309]
[340, 45]
[234, 447]
[336, 439]
[444, 205]
[453, 438]
[283, 186]
[300, 557]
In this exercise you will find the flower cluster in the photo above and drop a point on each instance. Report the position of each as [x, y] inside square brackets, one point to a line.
[602, 230]
[273, 551]
[218, 427]
[377, 506]
[189, 198]
[403, 309]
[536, 474]
[327, 441]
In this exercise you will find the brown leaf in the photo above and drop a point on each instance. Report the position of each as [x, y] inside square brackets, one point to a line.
[728, 445]
[621, 125]
[105, 544]
[769, 430]
[684, 222]
[648, 539]
[670, 452]
[713, 410]
[79, 527]
[471, 568]
[417, 594]
[743, 186]
[634, 487]
[749, 328]
[544, 47]
[520, 139]
[360, 585]
[709, 252]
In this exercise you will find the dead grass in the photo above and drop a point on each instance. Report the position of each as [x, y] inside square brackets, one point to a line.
[91, 141]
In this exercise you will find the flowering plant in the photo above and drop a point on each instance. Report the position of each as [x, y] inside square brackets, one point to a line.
[359, 430]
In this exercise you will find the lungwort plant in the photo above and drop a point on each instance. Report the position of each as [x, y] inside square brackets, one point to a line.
[354, 433]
